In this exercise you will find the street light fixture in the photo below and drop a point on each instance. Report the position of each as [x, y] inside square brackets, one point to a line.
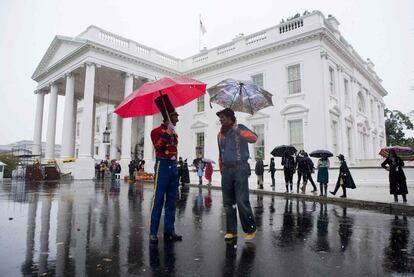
[106, 133]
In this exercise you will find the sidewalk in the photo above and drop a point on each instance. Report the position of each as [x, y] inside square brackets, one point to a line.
[366, 194]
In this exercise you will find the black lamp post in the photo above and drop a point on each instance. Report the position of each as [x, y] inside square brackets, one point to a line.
[106, 133]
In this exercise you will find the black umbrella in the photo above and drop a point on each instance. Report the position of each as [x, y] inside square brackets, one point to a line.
[279, 151]
[321, 153]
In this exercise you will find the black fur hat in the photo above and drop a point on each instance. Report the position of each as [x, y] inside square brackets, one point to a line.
[164, 105]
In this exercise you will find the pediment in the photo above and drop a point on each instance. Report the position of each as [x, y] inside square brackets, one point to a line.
[294, 108]
[58, 49]
[257, 116]
[198, 124]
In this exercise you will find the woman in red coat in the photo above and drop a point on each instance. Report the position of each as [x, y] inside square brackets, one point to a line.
[209, 173]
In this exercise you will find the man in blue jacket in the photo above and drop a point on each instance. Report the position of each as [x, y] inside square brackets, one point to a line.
[233, 142]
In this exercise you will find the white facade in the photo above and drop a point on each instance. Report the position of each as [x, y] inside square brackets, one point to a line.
[325, 95]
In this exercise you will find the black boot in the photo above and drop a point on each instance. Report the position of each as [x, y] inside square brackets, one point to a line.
[404, 197]
[343, 192]
[335, 190]
[321, 189]
[326, 189]
[287, 188]
[395, 198]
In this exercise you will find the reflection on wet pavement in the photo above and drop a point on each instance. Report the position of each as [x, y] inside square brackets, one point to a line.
[87, 228]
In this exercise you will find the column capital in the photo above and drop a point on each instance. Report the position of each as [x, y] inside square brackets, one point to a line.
[127, 74]
[69, 74]
[89, 64]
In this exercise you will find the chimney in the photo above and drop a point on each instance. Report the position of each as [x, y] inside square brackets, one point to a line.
[334, 23]
[370, 64]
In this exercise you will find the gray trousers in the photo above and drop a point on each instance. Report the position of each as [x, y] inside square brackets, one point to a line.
[235, 187]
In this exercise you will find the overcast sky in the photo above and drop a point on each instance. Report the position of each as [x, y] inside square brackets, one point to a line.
[382, 30]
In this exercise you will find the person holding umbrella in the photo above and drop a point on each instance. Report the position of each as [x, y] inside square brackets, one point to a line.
[398, 184]
[345, 179]
[323, 175]
[165, 140]
[310, 169]
[288, 163]
[233, 147]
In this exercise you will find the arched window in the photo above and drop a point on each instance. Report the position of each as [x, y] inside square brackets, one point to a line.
[361, 103]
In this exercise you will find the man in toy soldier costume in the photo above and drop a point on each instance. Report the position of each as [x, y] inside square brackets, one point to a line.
[165, 140]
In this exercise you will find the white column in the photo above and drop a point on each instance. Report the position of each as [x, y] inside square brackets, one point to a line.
[148, 148]
[74, 117]
[115, 137]
[51, 123]
[68, 124]
[85, 162]
[37, 137]
[126, 128]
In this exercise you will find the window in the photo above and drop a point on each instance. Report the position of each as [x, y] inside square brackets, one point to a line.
[296, 133]
[332, 80]
[200, 143]
[334, 128]
[77, 129]
[349, 142]
[108, 121]
[107, 150]
[200, 104]
[96, 150]
[346, 90]
[361, 103]
[294, 82]
[259, 149]
[97, 124]
[258, 80]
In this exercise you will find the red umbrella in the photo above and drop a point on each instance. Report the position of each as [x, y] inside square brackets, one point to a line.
[180, 91]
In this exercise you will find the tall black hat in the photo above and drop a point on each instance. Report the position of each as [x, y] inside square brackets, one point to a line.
[164, 105]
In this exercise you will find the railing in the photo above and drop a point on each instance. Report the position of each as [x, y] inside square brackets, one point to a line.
[166, 58]
[113, 39]
[289, 26]
[200, 58]
[225, 49]
[256, 38]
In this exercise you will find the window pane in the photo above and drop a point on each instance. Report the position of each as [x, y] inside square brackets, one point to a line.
[97, 124]
[294, 82]
[200, 143]
[259, 148]
[200, 104]
[296, 133]
[258, 80]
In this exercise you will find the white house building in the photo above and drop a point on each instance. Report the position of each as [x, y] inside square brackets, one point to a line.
[325, 95]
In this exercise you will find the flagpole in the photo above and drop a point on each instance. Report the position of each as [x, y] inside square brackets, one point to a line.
[199, 33]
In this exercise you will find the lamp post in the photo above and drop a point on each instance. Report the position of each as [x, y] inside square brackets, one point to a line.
[106, 133]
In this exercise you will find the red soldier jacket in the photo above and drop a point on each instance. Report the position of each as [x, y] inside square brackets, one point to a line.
[165, 142]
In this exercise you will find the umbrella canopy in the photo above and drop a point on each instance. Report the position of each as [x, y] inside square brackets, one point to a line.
[321, 153]
[405, 153]
[210, 161]
[279, 151]
[180, 91]
[240, 96]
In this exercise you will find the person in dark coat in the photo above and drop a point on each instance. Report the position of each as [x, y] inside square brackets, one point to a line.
[288, 163]
[398, 184]
[259, 170]
[272, 170]
[302, 169]
[185, 177]
[131, 168]
[309, 171]
[345, 179]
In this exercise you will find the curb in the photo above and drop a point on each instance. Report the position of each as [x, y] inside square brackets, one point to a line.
[391, 208]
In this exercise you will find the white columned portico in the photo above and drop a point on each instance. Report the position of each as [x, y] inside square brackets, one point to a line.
[37, 137]
[148, 148]
[115, 137]
[68, 123]
[85, 162]
[126, 128]
[51, 123]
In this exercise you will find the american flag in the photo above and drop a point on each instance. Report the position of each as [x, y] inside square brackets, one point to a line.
[202, 28]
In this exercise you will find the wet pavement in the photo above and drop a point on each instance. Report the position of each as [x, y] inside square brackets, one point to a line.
[85, 228]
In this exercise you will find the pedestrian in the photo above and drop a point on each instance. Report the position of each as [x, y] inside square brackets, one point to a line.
[209, 173]
[199, 165]
[259, 170]
[288, 163]
[102, 169]
[345, 179]
[310, 170]
[233, 142]
[323, 175]
[185, 179]
[131, 168]
[113, 169]
[302, 169]
[165, 140]
[272, 170]
[398, 184]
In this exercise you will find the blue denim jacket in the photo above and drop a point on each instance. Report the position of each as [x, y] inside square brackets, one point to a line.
[233, 144]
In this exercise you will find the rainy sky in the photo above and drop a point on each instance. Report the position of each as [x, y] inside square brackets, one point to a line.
[382, 30]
